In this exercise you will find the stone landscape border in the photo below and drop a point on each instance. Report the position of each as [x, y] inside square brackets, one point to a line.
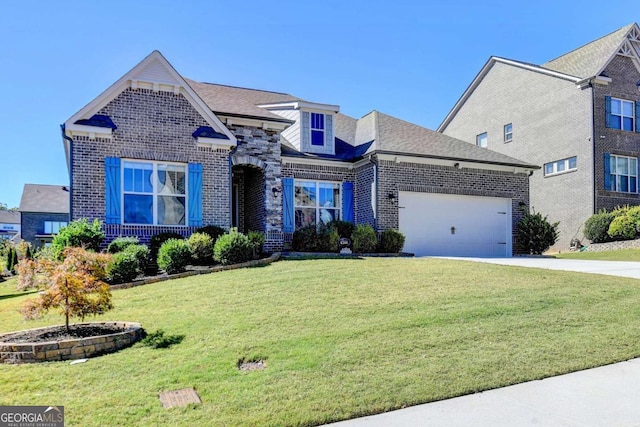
[81, 348]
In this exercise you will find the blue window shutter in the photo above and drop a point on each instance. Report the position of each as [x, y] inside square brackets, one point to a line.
[347, 201]
[607, 109]
[112, 190]
[288, 223]
[637, 116]
[607, 171]
[195, 194]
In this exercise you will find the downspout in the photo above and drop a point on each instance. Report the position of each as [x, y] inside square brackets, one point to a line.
[593, 147]
[231, 153]
[376, 184]
[70, 140]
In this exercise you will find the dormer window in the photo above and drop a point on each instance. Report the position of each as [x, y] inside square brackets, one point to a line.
[317, 129]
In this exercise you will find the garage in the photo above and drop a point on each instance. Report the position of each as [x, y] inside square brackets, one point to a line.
[455, 225]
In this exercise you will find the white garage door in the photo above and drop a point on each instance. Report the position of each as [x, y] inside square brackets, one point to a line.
[453, 225]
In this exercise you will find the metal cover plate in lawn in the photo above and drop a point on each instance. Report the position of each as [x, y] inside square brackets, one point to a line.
[181, 397]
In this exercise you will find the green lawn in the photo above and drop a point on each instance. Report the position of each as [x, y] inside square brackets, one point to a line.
[619, 255]
[342, 338]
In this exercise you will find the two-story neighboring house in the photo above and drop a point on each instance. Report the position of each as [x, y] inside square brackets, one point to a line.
[577, 116]
[9, 225]
[158, 152]
[44, 209]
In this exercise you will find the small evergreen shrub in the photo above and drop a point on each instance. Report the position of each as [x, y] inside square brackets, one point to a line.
[535, 233]
[391, 241]
[233, 248]
[123, 267]
[174, 255]
[154, 246]
[212, 230]
[343, 228]
[364, 239]
[119, 244]
[142, 254]
[305, 239]
[201, 247]
[12, 260]
[634, 214]
[596, 227]
[622, 228]
[80, 234]
[327, 239]
[257, 240]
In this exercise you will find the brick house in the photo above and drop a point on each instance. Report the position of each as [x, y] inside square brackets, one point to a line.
[578, 116]
[158, 152]
[44, 209]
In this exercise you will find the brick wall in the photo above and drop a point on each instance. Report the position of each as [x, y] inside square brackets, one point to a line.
[32, 223]
[364, 195]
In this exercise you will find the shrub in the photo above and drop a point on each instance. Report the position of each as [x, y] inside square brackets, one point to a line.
[154, 245]
[257, 240]
[212, 230]
[119, 244]
[123, 267]
[596, 227]
[201, 247]
[364, 239]
[535, 233]
[12, 259]
[327, 239]
[305, 239]
[142, 254]
[391, 241]
[79, 234]
[158, 339]
[622, 228]
[634, 214]
[174, 255]
[344, 228]
[233, 248]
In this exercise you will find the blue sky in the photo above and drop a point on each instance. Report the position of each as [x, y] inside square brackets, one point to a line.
[409, 59]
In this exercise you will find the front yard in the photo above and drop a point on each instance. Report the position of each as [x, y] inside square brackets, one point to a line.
[341, 338]
[619, 255]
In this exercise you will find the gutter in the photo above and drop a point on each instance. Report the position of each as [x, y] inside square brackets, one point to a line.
[70, 141]
[459, 159]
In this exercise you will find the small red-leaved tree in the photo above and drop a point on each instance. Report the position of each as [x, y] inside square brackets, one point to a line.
[75, 285]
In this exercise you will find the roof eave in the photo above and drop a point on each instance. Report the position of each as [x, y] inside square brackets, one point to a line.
[523, 166]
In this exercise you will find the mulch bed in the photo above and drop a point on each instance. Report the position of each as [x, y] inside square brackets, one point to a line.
[59, 333]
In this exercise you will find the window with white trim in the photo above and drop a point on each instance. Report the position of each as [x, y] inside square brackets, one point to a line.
[481, 140]
[508, 132]
[53, 227]
[316, 202]
[622, 114]
[624, 174]
[561, 166]
[317, 129]
[154, 193]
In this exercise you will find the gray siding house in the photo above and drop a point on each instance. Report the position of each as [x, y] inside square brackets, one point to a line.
[577, 116]
[9, 225]
[158, 152]
[44, 209]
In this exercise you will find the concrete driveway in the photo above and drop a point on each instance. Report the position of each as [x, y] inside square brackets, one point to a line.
[610, 268]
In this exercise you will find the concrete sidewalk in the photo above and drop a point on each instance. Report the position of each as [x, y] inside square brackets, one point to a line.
[605, 396]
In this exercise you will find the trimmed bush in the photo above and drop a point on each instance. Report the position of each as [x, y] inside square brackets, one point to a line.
[119, 244]
[305, 239]
[233, 248]
[327, 239]
[154, 246]
[622, 228]
[257, 240]
[391, 241]
[212, 230]
[142, 254]
[364, 239]
[201, 247]
[80, 234]
[596, 228]
[535, 233]
[122, 268]
[174, 255]
[344, 228]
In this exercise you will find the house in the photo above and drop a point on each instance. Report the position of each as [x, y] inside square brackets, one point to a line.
[44, 209]
[9, 225]
[159, 152]
[578, 116]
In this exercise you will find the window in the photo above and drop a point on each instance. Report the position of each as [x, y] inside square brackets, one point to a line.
[623, 174]
[317, 129]
[508, 132]
[622, 114]
[481, 140]
[560, 166]
[53, 227]
[154, 193]
[316, 202]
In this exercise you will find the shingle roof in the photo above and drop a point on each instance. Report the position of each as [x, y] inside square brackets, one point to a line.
[240, 101]
[588, 60]
[9, 217]
[394, 135]
[45, 198]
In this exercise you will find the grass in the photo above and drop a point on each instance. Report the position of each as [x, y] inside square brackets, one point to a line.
[617, 255]
[341, 339]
